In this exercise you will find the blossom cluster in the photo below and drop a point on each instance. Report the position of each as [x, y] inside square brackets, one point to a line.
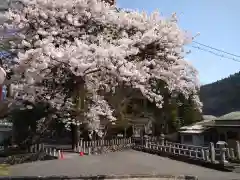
[101, 45]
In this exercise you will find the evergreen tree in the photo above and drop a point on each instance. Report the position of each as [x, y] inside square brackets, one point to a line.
[187, 111]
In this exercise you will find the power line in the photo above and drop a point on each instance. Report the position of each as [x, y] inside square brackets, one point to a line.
[216, 54]
[219, 50]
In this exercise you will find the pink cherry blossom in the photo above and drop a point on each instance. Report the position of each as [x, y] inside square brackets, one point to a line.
[102, 45]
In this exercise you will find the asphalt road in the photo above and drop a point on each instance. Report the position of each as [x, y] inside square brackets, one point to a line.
[117, 163]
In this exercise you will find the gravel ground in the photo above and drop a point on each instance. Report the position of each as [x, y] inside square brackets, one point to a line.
[117, 163]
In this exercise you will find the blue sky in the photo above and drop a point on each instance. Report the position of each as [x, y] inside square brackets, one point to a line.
[216, 20]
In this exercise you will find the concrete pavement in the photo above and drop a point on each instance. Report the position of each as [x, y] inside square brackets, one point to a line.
[117, 163]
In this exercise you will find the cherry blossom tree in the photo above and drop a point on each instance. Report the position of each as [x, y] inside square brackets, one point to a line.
[70, 53]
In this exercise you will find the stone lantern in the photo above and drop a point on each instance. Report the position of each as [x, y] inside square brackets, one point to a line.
[222, 146]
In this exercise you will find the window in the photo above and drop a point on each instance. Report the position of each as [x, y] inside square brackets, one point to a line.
[222, 137]
[187, 138]
[232, 135]
[206, 138]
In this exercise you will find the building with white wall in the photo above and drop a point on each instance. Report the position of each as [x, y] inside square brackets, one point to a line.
[197, 134]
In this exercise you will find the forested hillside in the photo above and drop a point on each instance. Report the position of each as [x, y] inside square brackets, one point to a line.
[221, 97]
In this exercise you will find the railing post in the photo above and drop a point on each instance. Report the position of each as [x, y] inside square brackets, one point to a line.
[207, 155]
[84, 146]
[51, 152]
[32, 149]
[196, 153]
[228, 155]
[46, 151]
[75, 148]
[232, 153]
[203, 154]
[212, 152]
[146, 142]
[223, 155]
[238, 150]
[89, 150]
[54, 152]
[80, 144]
[36, 148]
[174, 149]
[162, 141]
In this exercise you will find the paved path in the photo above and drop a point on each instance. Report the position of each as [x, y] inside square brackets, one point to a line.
[118, 163]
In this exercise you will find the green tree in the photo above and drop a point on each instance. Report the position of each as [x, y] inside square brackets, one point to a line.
[25, 123]
[188, 112]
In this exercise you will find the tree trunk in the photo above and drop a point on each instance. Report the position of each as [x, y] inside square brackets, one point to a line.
[9, 95]
[80, 109]
[74, 135]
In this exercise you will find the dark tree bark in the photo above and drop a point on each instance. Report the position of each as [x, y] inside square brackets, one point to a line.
[74, 130]
[79, 96]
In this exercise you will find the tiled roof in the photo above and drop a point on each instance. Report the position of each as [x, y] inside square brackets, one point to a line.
[208, 117]
[193, 131]
[230, 116]
[198, 127]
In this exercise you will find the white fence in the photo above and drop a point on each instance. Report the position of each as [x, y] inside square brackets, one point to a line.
[103, 146]
[221, 154]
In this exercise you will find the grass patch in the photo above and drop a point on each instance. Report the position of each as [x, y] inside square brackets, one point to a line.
[28, 157]
[4, 170]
